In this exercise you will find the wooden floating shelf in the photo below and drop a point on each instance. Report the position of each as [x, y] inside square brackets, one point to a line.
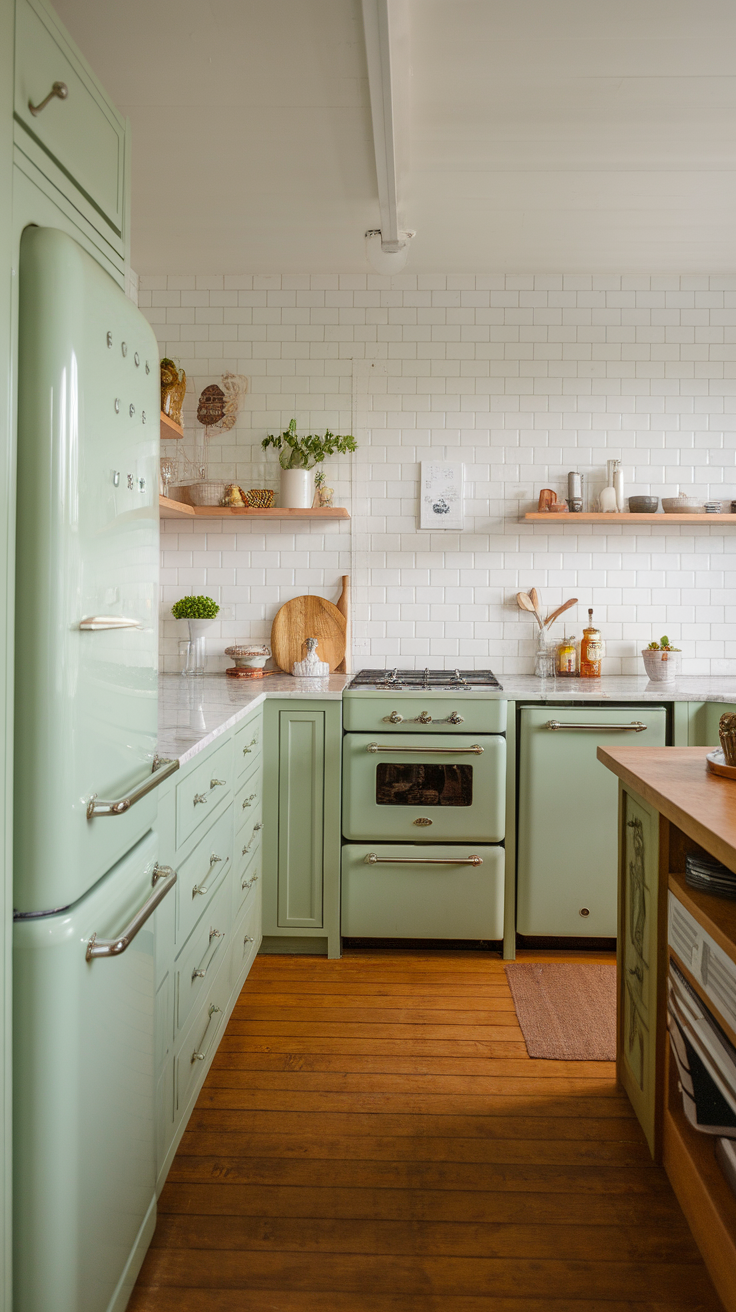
[169, 509]
[624, 517]
[169, 429]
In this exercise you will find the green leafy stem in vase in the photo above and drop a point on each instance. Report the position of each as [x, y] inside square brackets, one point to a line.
[194, 608]
[305, 452]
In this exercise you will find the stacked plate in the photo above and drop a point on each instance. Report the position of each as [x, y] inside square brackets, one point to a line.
[707, 874]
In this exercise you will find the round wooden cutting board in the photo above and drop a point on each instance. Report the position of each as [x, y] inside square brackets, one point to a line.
[308, 617]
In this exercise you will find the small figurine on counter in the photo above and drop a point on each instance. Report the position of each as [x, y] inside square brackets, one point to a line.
[311, 667]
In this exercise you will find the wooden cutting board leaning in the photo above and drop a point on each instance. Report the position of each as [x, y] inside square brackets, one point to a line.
[308, 617]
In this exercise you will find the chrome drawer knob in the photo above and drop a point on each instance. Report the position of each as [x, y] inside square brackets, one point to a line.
[394, 718]
[424, 718]
[454, 718]
[248, 801]
[248, 939]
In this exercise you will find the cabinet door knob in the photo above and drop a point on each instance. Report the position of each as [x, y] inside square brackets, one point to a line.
[217, 783]
[59, 90]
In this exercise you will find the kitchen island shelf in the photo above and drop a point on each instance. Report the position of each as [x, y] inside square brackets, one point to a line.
[170, 429]
[170, 509]
[622, 517]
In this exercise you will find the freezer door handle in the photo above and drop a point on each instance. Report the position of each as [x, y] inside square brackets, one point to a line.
[635, 726]
[373, 859]
[162, 769]
[94, 622]
[164, 879]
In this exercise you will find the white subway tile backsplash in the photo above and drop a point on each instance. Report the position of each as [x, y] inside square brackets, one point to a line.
[522, 377]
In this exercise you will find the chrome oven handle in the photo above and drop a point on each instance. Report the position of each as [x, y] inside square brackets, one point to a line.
[94, 622]
[162, 769]
[635, 726]
[373, 859]
[475, 750]
[112, 947]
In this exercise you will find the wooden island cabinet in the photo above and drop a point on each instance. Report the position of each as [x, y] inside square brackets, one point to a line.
[670, 805]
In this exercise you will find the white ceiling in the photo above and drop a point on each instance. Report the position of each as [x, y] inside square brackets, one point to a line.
[540, 135]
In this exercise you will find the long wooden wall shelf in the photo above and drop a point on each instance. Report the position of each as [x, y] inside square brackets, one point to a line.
[169, 509]
[169, 429]
[625, 517]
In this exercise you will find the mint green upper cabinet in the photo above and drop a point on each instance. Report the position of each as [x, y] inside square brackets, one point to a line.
[301, 818]
[80, 140]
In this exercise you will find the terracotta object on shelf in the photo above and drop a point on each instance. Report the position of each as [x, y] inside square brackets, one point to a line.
[547, 498]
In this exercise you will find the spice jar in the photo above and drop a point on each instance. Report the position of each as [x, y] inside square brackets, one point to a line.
[591, 651]
[566, 664]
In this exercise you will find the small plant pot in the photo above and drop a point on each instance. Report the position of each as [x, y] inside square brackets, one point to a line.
[297, 489]
[661, 666]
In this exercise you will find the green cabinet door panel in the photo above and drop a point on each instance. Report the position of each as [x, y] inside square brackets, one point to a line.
[83, 136]
[637, 957]
[397, 891]
[568, 835]
[301, 818]
[704, 718]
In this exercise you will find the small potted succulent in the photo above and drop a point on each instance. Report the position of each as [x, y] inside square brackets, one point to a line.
[661, 661]
[298, 457]
[199, 612]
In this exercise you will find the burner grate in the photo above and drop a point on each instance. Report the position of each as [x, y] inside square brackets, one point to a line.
[425, 680]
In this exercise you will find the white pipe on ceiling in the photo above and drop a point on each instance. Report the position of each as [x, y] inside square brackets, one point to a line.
[384, 22]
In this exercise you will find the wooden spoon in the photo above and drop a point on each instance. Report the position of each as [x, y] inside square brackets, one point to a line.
[525, 603]
[560, 609]
[534, 599]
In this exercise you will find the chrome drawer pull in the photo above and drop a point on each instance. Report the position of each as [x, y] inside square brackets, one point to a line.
[218, 783]
[199, 888]
[94, 622]
[475, 750]
[200, 971]
[214, 859]
[256, 827]
[373, 859]
[635, 726]
[160, 770]
[213, 1011]
[248, 883]
[113, 947]
[248, 801]
[59, 89]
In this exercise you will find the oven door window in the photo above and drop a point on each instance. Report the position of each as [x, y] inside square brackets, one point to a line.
[424, 785]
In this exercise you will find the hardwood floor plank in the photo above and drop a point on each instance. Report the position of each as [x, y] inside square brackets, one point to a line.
[373, 1137]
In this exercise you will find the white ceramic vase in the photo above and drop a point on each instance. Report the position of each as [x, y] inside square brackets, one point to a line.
[297, 488]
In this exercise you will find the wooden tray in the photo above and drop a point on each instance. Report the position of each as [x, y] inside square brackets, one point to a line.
[716, 763]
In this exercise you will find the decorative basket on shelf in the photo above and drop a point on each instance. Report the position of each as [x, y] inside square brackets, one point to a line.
[208, 493]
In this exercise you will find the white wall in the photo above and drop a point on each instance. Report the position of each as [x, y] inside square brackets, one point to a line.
[524, 378]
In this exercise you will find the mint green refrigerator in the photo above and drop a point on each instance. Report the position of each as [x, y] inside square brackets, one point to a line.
[567, 849]
[86, 879]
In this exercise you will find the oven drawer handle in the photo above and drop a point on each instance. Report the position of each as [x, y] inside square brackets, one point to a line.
[475, 750]
[635, 726]
[373, 859]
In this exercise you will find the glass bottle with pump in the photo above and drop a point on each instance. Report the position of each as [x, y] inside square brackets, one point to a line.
[566, 664]
[591, 651]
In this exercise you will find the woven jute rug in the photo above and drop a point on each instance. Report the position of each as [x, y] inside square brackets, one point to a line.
[566, 1010]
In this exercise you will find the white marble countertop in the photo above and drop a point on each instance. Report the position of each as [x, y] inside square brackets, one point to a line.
[193, 711]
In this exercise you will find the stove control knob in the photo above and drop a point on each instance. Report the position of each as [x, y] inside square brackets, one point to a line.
[424, 718]
[454, 718]
[393, 718]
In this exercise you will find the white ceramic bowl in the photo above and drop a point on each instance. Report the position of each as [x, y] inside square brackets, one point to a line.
[249, 658]
[683, 506]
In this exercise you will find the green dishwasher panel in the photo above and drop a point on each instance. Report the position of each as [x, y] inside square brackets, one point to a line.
[568, 815]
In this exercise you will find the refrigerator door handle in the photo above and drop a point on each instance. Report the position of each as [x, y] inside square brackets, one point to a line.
[635, 726]
[162, 769]
[112, 947]
[94, 622]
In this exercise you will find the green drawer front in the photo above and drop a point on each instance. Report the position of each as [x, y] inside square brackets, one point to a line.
[247, 878]
[202, 789]
[246, 940]
[83, 135]
[200, 1042]
[248, 741]
[202, 873]
[373, 712]
[202, 957]
[249, 798]
[392, 899]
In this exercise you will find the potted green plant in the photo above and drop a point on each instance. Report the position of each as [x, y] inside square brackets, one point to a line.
[199, 613]
[298, 457]
[661, 660]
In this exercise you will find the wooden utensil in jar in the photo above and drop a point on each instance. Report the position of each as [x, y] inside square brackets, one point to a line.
[560, 610]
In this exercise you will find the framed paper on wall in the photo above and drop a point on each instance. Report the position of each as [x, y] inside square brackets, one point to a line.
[441, 494]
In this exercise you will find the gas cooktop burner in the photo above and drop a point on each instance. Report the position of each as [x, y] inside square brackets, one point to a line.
[424, 680]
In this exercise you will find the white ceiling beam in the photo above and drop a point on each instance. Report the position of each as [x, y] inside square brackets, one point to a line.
[384, 22]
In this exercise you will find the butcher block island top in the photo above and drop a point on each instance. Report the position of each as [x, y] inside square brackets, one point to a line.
[677, 784]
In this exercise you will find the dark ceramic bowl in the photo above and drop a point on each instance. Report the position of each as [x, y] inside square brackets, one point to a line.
[643, 505]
